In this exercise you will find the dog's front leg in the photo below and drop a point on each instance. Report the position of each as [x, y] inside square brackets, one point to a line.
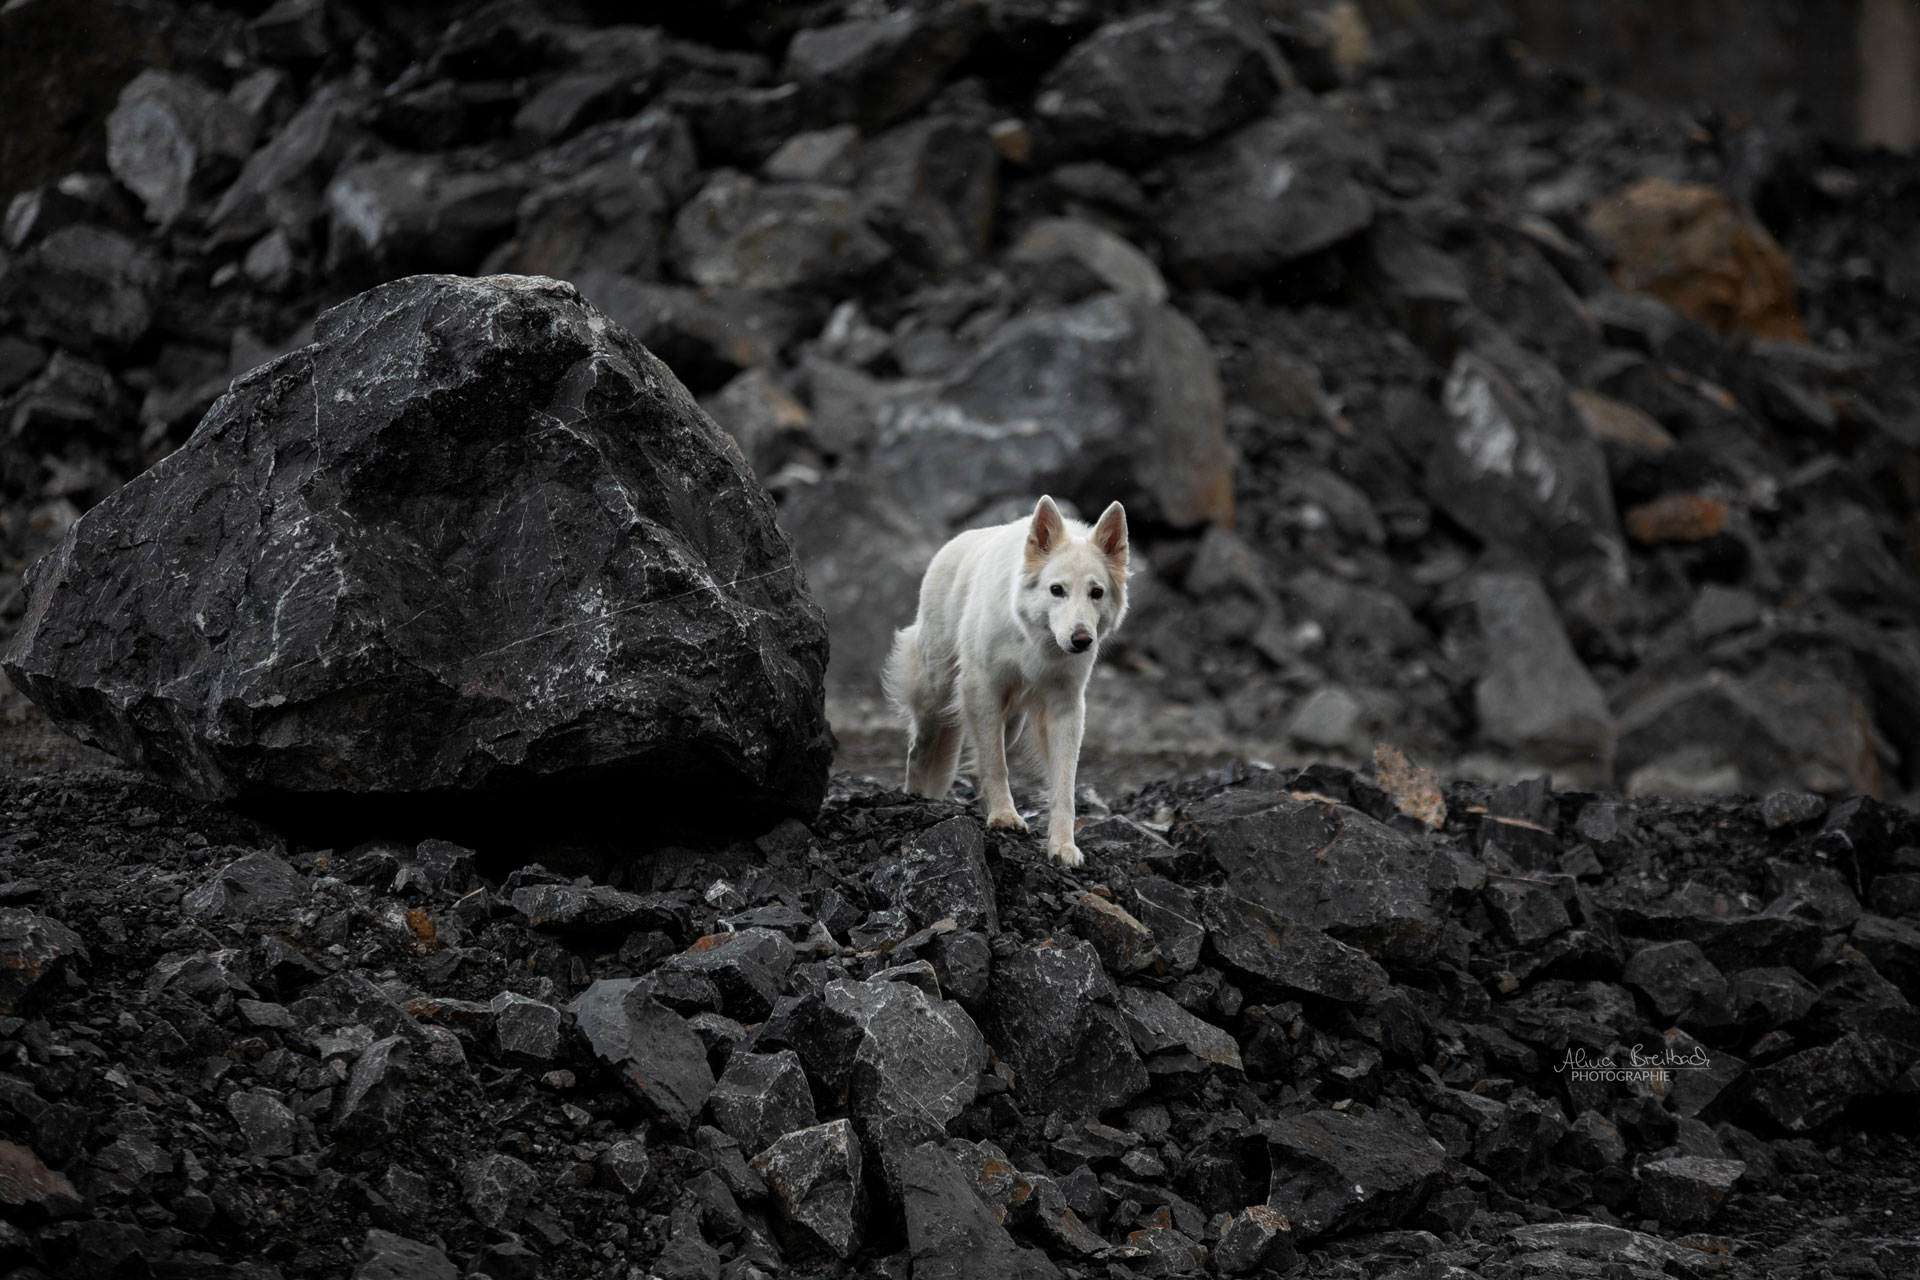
[1066, 723]
[987, 727]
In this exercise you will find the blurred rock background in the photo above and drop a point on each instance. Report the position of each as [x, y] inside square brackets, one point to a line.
[1529, 384]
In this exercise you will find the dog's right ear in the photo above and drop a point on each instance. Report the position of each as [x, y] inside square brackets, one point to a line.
[1045, 531]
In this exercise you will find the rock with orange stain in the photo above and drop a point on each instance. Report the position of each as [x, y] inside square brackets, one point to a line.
[1687, 245]
[34, 949]
[1677, 517]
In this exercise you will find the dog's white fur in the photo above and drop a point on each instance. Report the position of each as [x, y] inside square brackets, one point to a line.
[994, 648]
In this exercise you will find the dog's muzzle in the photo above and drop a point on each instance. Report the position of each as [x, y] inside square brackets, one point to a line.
[1081, 641]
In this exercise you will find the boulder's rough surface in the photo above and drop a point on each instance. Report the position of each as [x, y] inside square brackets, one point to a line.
[333, 586]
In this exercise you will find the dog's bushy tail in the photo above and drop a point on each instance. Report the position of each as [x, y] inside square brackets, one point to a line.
[904, 675]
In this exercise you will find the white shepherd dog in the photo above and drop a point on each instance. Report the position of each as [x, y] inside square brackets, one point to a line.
[1010, 621]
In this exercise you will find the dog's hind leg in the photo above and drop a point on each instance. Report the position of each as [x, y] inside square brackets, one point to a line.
[933, 755]
[986, 728]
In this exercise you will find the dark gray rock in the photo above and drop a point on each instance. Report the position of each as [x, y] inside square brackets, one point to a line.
[1686, 1191]
[1515, 465]
[445, 865]
[1285, 953]
[1676, 977]
[864, 554]
[1592, 1142]
[878, 70]
[1805, 1090]
[1772, 996]
[941, 874]
[1894, 948]
[370, 1107]
[400, 213]
[1159, 1024]
[282, 184]
[1113, 399]
[425, 659]
[265, 1121]
[1330, 867]
[963, 965]
[85, 287]
[1124, 944]
[1156, 83]
[527, 1030]
[587, 911]
[258, 884]
[171, 138]
[814, 1176]
[1528, 911]
[739, 232]
[35, 953]
[498, 1188]
[915, 1065]
[761, 1097]
[648, 1046]
[1242, 209]
[386, 1256]
[1169, 911]
[1055, 1023]
[951, 1233]
[1536, 698]
[1516, 1144]
[1258, 1238]
[626, 1166]
[1334, 1171]
[929, 189]
[746, 967]
[1791, 808]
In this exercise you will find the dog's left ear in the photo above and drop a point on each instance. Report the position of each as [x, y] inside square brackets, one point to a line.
[1110, 533]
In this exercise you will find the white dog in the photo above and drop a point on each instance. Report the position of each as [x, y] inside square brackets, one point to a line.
[1010, 621]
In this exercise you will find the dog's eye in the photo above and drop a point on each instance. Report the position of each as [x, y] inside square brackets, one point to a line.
[1059, 590]
[1097, 592]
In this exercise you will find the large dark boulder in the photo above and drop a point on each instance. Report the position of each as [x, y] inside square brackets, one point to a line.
[475, 544]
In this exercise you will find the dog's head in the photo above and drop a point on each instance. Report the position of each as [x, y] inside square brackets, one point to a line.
[1075, 583]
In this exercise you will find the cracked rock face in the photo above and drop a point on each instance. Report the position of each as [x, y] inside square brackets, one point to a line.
[475, 539]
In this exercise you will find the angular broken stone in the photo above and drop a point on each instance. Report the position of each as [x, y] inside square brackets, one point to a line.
[527, 1030]
[1124, 944]
[84, 287]
[1244, 207]
[1168, 910]
[1055, 1023]
[259, 884]
[1527, 911]
[1516, 1143]
[1676, 977]
[498, 1188]
[1804, 1090]
[35, 950]
[1289, 955]
[1158, 1024]
[171, 137]
[627, 1166]
[1158, 82]
[915, 1065]
[1113, 399]
[747, 967]
[586, 911]
[739, 232]
[265, 1121]
[942, 874]
[1334, 1171]
[879, 69]
[28, 1185]
[472, 682]
[648, 1046]
[1258, 1238]
[1686, 1191]
[370, 1107]
[951, 1232]
[761, 1097]
[1333, 868]
[1537, 698]
[386, 1256]
[814, 1175]
[392, 214]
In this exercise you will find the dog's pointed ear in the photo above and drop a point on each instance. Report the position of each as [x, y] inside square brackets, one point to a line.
[1110, 533]
[1045, 531]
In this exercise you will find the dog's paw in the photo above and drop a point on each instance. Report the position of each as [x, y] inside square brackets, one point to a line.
[1007, 821]
[1067, 854]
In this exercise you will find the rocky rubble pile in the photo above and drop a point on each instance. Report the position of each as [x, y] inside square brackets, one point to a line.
[1458, 401]
[1505, 1032]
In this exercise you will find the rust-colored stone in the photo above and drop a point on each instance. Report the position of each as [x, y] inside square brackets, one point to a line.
[1677, 517]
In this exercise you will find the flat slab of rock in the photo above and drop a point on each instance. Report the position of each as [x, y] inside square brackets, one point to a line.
[475, 540]
[649, 1046]
[1334, 1171]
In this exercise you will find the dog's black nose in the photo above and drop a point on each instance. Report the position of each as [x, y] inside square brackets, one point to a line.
[1082, 641]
